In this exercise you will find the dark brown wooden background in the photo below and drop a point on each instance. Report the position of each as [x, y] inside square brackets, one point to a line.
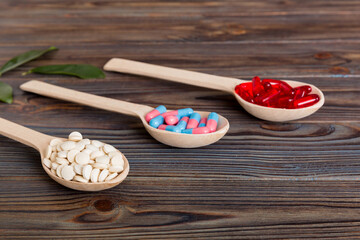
[296, 180]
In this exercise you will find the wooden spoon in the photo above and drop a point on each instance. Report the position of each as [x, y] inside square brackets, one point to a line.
[216, 82]
[40, 142]
[169, 138]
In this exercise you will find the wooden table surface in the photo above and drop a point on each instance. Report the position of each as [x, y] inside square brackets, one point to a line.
[294, 180]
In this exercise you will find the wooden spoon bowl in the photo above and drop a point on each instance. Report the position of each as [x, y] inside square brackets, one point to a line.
[281, 114]
[182, 140]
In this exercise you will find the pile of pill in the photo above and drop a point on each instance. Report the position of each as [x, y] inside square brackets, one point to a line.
[276, 94]
[182, 121]
[83, 160]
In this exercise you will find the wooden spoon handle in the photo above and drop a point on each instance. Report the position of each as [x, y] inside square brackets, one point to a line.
[109, 104]
[172, 74]
[24, 135]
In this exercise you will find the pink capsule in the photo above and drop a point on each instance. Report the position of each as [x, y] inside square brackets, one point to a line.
[212, 121]
[200, 130]
[181, 112]
[182, 123]
[203, 122]
[193, 121]
[169, 128]
[172, 119]
[156, 112]
[162, 126]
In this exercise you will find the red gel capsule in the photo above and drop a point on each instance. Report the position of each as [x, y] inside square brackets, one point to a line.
[247, 87]
[265, 99]
[257, 87]
[283, 102]
[246, 96]
[302, 91]
[244, 90]
[307, 101]
[283, 86]
[267, 86]
[272, 81]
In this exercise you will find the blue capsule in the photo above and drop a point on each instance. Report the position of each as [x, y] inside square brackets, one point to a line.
[185, 112]
[157, 111]
[183, 122]
[156, 121]
[170, 128]
[212, 121]
[194, 120]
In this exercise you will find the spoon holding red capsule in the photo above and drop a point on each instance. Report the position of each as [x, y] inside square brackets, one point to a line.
[225, 84]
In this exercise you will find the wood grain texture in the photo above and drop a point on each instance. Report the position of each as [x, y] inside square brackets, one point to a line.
[263, 180]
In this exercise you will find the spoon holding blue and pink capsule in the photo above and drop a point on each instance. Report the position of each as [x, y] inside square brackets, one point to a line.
[152, 119]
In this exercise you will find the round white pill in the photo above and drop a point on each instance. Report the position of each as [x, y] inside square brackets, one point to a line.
[80, 179]
[71, 155]
[58, 148]
[103, 159]
[75, 136]
[95, 175]
[48, 151]
[108, 148]
[113, 153]
[82, 158]
[91, 147]
[100, 165]
[62, 161]
[54, 165]
[96, 154]
[68, 145]
[67, 172]
[86, 171]
[87, 151]
[78, 169]
[85, 141]
[58, 170]
[116, 169]
[111, 176]
[117, 160]
[55, 142]
[62, 154]
[80, 146]
[53, 156]
[104, 173]
[47, 162]
[97, 143]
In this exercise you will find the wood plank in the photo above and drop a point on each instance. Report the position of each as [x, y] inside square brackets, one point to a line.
[256, 152]
[179, 21]
[263, 180]
[151, 208]
[237, 59]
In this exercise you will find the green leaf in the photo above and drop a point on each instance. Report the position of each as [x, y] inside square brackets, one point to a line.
[6, 93]
[83, 71]
[24, 58]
